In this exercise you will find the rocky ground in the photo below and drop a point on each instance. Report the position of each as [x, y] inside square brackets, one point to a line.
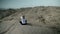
[41, 20]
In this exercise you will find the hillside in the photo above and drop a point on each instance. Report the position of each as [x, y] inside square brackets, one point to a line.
[41, 20]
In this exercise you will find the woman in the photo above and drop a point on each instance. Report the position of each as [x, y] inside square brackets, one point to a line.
[23, 20]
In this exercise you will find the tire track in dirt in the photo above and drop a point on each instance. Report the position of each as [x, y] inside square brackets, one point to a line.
[8, 28]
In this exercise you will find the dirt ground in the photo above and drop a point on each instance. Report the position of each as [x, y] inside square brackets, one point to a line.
[41, 20]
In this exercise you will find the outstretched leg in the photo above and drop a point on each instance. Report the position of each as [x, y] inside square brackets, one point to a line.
[20, 22]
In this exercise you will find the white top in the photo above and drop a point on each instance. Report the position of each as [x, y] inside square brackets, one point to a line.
[23, 20]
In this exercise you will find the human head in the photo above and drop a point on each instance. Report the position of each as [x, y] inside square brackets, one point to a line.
[23, 17]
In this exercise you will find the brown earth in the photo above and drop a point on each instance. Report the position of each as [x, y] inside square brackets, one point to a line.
[41, 20]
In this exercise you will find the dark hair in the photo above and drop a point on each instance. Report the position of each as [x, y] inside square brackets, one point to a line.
[23, 17]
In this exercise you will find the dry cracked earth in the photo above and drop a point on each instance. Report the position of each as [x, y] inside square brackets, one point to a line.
[41, 20]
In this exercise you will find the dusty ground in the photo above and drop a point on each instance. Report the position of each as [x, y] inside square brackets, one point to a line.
[41, 20]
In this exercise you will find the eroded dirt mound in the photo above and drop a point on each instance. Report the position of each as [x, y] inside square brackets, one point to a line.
[7, 12]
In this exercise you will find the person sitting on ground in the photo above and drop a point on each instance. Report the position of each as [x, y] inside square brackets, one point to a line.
[23, 20]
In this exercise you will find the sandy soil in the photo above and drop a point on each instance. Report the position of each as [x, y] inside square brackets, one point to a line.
[41, 20]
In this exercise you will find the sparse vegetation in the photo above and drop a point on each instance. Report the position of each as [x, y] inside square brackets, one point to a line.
[41, 19]
[7, 12]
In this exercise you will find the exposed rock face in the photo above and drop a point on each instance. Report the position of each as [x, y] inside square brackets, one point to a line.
[41, 20]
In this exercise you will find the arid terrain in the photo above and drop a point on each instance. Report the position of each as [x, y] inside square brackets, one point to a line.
[41, 20]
